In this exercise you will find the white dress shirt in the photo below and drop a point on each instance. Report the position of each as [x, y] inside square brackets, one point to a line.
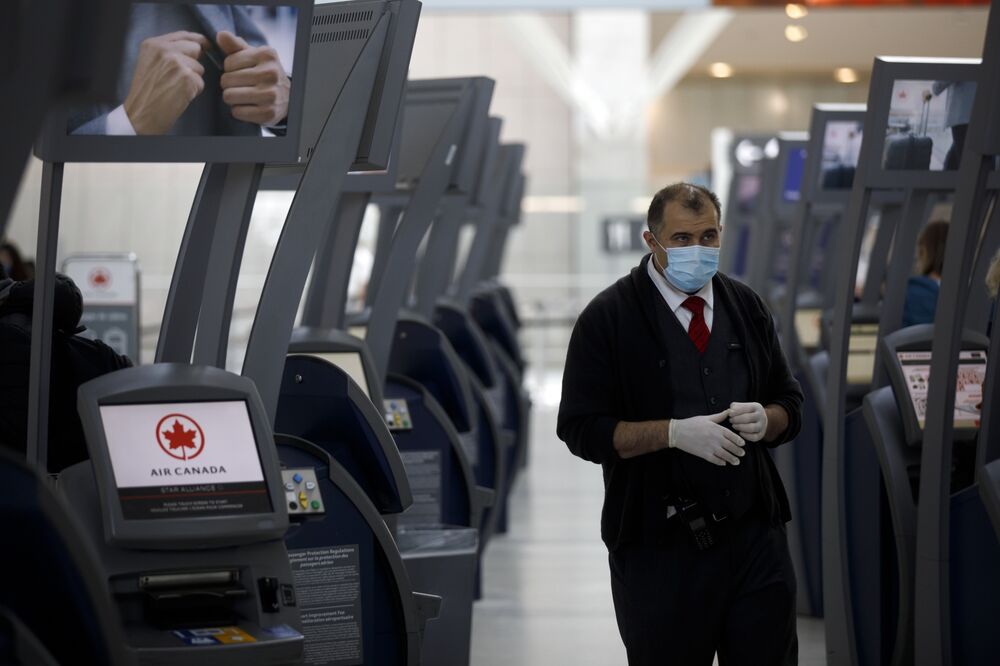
[119, 123]
[675, 298]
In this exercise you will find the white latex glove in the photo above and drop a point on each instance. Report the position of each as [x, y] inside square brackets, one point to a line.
[702, 436]
[748, 419]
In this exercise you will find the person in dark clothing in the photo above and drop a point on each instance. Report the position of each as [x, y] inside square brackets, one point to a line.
[75, 360]
[922, 289]
[675, 383]
[12, 262]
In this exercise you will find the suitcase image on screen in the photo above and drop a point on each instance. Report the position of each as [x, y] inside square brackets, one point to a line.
[911, 151]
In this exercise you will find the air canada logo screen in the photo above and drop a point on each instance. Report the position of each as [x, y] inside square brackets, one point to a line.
[180, 437]
[185, 459]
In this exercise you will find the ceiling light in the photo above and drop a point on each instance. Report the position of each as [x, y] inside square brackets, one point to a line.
[796, 11]
[720, 70]
[795, 33]
[846, 75]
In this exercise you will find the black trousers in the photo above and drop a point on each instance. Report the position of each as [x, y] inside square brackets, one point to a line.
[677, 605]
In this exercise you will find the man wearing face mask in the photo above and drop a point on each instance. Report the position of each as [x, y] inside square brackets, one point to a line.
[675, 383]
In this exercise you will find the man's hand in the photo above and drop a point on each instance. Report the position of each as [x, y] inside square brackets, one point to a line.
[166, 79]
[748, 419]
[254, 84]
[702, 436]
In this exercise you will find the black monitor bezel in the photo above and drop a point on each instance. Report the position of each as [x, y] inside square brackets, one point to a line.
[55, 145]
[885, 72]
[176, 383]
[822, 115]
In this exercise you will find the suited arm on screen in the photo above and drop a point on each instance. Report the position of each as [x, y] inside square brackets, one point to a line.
[168, 76]
[195, 71]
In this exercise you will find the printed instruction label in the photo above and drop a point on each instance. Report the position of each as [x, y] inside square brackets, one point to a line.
[328, 590]
[423, 470]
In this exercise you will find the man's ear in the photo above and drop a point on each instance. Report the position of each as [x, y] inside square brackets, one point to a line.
[647, 236]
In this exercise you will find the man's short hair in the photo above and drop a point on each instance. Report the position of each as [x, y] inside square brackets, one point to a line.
[693, 197]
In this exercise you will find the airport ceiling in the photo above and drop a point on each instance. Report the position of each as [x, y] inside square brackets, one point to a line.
[754, 41]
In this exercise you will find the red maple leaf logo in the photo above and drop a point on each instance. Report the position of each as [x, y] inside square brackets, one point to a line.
[178, 436]
[182, 439]
[100, 278]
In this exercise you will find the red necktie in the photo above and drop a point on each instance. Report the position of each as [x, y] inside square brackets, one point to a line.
[698, 330]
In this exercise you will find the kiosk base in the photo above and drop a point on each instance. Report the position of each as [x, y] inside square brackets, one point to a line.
[443, 561]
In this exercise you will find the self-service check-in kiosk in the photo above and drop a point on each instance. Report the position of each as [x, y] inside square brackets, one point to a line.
[480, 320]
[747, 153]
[770, 242]
[332, 383]
[896, 415]
[442, 296]
[827, 176]
[856, 519]
[954, 526]
[357, 603]
[427, 394]
[184, 502]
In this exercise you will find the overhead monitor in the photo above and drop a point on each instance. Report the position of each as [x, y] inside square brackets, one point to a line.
[840, 153]
[185, 460]
[340, 31]
[198, 82]
[927, 123]
[915, 122]
[916, 367]
[429, 104]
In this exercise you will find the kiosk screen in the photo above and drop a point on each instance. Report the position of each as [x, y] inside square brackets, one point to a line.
[185, 460]
[808, 324]
[927, 124]
[841, 150]
[791, 191]
[861, 353]
[349, 362]
[916, 367]
[216, 69]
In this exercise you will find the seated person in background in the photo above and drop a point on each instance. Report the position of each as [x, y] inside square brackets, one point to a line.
[922, 289]
[75, 360]
[12, 262]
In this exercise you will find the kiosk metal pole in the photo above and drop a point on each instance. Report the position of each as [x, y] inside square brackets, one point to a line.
[314, 203]
[440, 255]
[42, 316]
[218, 293]
[326, 300]
[180, 316]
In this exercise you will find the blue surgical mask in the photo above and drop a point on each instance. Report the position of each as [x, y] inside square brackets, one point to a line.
[690, 268]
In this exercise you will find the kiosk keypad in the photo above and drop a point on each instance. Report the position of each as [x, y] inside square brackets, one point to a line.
[302, 492]
[397, 415]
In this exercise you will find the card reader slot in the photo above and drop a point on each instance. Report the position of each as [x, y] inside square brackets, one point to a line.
[192, 599]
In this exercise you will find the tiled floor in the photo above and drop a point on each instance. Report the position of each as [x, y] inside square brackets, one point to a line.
[547, 597]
